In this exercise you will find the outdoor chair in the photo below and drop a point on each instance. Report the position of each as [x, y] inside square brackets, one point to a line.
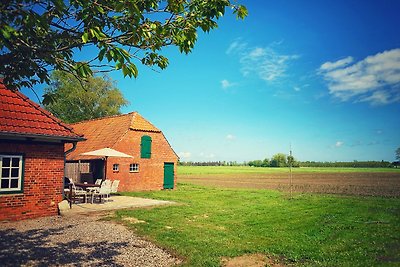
[67, 181]
[78, 192]
[114, 186]
[102, 192]
[98, 182]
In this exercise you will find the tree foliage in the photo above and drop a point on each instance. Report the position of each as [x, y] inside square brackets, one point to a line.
[39, 35]
[398, 153]
[71, 103]
[279, 160]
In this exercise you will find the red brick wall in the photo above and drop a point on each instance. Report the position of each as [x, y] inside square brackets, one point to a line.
[151, 171]
[43, 181]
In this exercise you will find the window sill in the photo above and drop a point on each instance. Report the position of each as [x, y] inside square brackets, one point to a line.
[7, 193]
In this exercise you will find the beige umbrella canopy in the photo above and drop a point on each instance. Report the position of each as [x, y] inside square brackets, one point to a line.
[107, 152]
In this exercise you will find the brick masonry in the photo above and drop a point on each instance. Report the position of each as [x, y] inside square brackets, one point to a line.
[151, 171]
[43, 181]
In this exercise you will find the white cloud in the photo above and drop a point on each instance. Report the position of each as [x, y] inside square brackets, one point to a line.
[265, 62]
[207, 156]
[297, 89]
[230, 137]
[339, 144]
[184, 155]
[340, 63]
[375, 79]
[236, 46]
[256, 53]
[225, 84]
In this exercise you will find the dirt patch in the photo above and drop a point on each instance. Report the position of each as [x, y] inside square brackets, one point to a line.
[132, 220]
[253, 260]
[367, 184]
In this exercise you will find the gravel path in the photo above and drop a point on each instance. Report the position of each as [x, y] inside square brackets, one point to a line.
[82, 240]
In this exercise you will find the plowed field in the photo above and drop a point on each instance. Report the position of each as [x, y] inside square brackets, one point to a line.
[363, 183]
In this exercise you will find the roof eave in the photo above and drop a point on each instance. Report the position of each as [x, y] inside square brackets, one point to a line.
[39, 137]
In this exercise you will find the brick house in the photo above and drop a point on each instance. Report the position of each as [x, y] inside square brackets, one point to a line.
[31, 157]
[154, 162]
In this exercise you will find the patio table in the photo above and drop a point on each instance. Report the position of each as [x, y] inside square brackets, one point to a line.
[85, 186]
[81, 185]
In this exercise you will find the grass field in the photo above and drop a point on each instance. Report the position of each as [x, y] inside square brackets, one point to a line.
[190, 170]
[307, 230]
[349, 181]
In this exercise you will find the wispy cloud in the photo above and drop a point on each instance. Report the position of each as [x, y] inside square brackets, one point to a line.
[184, 155]
[207, 155]
[230, 137]
[339, 143]
[337, 64]
[375, 79]
[237, 45]
[225, 84]
[265, 62]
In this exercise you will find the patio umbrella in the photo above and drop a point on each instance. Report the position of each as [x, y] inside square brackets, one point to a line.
[106, 152]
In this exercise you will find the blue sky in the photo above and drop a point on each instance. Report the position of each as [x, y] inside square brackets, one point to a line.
[323, 76]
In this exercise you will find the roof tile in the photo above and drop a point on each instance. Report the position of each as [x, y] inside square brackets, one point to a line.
[106, 132]
[19, 115]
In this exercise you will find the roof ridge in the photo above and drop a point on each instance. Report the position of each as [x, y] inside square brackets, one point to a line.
[106, 117]
[134, 118]
[43, 111]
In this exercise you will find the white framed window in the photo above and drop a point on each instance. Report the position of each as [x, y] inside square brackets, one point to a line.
[134, 167]
[10, 173]
[116, 167]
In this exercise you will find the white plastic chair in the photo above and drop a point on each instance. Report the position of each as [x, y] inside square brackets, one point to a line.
[114, 186]
[92, 189]
[103, 192]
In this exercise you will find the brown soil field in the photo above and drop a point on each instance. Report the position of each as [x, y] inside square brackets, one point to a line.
[364, 183]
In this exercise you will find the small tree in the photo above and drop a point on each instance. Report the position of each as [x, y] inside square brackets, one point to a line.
[71, 103]
[279, 160]
[398, 153]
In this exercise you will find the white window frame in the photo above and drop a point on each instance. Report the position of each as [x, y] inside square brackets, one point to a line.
[20, 168]
[116, 167]
[134, 167]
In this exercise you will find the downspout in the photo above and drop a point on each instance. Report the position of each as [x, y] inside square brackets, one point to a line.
[65, 160]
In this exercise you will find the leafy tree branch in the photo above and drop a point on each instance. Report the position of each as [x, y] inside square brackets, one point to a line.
[41, 35]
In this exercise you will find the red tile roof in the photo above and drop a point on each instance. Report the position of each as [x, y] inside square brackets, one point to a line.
[106, 132]
[19, 116]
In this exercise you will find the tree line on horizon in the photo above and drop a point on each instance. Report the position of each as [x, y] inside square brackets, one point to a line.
[282, 160]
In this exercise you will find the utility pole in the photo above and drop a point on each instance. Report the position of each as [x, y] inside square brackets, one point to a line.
[290, 170]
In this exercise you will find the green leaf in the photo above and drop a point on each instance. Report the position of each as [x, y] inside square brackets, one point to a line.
[125, 70]
[134, 70]
[118, 65]
[241, 12]
[85, 37]
[7, 31]
[49, 98]
[101, 53]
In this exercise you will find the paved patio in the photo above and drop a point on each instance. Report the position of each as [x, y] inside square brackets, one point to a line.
[113, 203]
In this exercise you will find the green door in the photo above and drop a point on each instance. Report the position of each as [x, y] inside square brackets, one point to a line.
[168, 175]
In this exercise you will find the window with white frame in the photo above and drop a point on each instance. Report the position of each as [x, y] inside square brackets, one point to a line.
[116, 167]
[134, 167]
[11, 173]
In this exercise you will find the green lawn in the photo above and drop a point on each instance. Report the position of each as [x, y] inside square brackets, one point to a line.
[188, 170]
[310, 230]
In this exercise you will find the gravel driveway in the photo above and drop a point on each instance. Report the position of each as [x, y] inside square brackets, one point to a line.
[82, 240]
